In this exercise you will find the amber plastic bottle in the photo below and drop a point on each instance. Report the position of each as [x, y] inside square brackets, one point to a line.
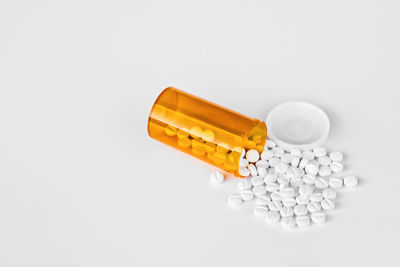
[203, 129]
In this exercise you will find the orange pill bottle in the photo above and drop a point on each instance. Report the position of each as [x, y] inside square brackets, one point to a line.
[204, 130]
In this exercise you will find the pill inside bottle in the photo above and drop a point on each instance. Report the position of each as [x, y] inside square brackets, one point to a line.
[204, 130]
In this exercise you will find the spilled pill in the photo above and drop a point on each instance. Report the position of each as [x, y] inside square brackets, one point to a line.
[318, 217]
[350, 181]
[316, 197]
[217, 178]
[267, 155]
[244, 184]
[329, 193]
[275, 205]
[335, 183]
[247, 194]
[289, 202]
[259, 190]
[257, 180]
[295, 187]
[319, 152]
[263, 200]
[303, 221]
[261, 210]
[286, 211]
[336, 156]
[328, 204]
[234, 199]
[300, 209]
[313, 207]
[336, 167]
[272, 216]
[289, 222]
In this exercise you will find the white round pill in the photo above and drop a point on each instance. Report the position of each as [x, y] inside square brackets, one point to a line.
[318, 217]
[216, 178]
[282, 179]
[312, 167]
[278, 151]
[335, 183]
[324, 160]
[350, 181]
[244, 172]
[281, 167]
[272, 216]
[259, 190]
[247, 194]
[299, 172]
[307, 154]
[289, 222]
[295, 162]
[306, 190]
[329, 193]
[252, 169]
[336, 156]
[291, 173]
[303, 221]
[276, 195]
[286, 212]
[328, 204]
[261, 171]
[257, 180]
[252, 155]
[313, 207]
[243, 163]
[287, 192]
[270, 178]
[261, 210]
[296, 182]
[303, 163]
[321, 183]
[300, 209]
[273, 162]
[287, 158]
[275, 205]
[336, 167]
[283, 183]
[244, 184]
[319, 152]
[263, 200]
[272, 187]
[302, 199]
[234, 200]
[296, 152]
[325, 171]
[309, 179]
[270, 144]
[267, 155]
[316, 197]
[289, 202]
[262, 163]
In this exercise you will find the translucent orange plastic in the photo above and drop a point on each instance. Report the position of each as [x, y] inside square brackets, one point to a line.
[204, 130]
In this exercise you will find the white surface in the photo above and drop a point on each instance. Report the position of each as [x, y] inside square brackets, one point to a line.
[78, 78]
[298, 124]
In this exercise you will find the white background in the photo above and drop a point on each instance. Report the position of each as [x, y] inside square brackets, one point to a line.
[82, 184]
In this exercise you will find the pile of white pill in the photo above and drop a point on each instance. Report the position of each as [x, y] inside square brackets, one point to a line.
[292, 187]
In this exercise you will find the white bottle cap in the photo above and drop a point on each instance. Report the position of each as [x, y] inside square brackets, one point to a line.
[298, 125]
